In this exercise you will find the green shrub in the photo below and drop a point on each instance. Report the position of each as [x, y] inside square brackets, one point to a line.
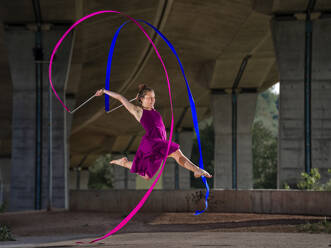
[286, 186]
[322, 226]
[5, 234]
[327, 186]
[3, 207]
[312, 181]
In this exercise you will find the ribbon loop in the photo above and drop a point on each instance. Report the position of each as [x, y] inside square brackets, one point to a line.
[107, 86]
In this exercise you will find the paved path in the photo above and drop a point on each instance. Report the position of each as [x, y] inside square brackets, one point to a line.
[157, 230]
[182, 239]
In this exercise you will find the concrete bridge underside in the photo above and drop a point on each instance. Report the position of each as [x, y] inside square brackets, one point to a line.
[226, 47]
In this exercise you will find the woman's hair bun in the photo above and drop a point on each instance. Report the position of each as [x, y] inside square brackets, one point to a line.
[141, 86]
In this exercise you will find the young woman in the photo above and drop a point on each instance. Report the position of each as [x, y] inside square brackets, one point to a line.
[154, 143]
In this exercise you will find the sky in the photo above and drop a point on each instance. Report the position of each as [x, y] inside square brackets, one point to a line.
[275, 88]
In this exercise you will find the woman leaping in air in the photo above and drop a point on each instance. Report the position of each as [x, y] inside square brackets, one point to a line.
[153, 145]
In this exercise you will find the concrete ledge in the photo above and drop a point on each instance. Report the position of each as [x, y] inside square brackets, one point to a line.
[234, 201]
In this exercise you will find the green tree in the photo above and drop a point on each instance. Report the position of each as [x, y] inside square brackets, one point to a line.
[264, 157]
[101, 173]
[267, 110]
[207, 147]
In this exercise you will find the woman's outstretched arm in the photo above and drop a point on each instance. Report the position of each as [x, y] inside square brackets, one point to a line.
[133, 109]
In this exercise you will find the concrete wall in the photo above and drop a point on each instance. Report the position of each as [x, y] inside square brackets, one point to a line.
[240, 201]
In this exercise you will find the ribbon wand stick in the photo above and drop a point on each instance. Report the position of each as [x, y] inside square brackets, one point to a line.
[71, 112]
[119, 106]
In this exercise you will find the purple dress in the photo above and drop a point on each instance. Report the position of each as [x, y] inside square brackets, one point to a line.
[153, 145]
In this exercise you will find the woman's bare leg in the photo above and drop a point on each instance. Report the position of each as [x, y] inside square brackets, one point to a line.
[124, 162]
[187, 164]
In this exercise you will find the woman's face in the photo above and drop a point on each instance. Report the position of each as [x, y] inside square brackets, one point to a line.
[148, 100]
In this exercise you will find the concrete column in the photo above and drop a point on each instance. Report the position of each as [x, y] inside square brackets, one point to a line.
[72, 179]
[20, 44]
[186, 143]
[83, 179]
[289, 43]
[70, 102]
[4, 180]
[131, 176]
[118, 179]
[222, 115]
[168, 174]
[121, 173]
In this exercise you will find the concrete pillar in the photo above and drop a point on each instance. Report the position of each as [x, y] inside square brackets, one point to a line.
[4, 180]
[168, 174]
[20, 44]
[130, 176]
[289, 43]
[83, 179]
[118, 179]
[120, 175]
[222, 115]
[70, 102]
[186, 143]
[72, 179]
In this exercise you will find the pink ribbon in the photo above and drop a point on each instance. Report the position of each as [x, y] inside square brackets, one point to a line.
[142, 201]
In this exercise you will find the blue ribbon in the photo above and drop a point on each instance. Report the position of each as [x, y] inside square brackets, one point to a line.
[110, 58]
[192, 104]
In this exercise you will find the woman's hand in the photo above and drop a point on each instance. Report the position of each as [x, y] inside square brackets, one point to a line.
[100, 92]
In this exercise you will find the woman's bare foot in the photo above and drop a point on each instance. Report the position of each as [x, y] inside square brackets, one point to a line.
[146, 177]
[120, 161]
[200, 172]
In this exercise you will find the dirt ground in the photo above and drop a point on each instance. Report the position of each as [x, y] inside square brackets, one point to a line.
[61, 222]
